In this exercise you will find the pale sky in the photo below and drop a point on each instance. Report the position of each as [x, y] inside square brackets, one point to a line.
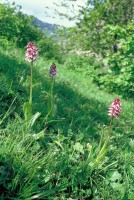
[38, 9]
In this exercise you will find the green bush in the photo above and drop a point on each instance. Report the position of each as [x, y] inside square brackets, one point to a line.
[49, 49]
[82, 64]
[120, 70]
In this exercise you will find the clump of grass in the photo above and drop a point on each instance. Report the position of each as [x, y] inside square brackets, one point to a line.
[19, 163]
[46, 165]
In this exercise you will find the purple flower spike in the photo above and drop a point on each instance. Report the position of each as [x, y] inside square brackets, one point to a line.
[115, 108]
[53, 70]
[32, 52]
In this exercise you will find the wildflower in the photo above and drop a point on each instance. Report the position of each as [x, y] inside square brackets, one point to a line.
[115, 108]
[53, 70]
[32, 52]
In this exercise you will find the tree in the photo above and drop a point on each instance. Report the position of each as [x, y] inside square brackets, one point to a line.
[16, 26]
[91, 33]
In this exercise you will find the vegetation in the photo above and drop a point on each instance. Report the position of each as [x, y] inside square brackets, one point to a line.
[56, 138]
[106, 32]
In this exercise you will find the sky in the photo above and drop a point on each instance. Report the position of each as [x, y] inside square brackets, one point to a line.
[45, 10]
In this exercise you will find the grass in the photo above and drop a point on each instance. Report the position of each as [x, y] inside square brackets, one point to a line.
[55, 159]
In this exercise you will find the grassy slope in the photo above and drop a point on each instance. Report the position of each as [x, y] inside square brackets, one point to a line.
[81, 106]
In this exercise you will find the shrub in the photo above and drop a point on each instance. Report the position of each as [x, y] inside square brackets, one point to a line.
[82, 64]
[120, 71]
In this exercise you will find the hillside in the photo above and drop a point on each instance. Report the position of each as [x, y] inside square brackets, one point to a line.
[67, 120]
[61, 151]
[46, 27]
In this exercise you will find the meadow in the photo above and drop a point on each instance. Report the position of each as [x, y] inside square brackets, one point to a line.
[56, 156]
[66, 105]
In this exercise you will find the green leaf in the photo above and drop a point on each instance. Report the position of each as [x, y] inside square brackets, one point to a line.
[34, 118]
[118, 187]
[39, 135]
[18, 117]
[78, 147]
[131, 170]
[27, 110]
[114, 175]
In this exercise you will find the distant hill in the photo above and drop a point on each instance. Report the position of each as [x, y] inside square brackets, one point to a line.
[46, 27]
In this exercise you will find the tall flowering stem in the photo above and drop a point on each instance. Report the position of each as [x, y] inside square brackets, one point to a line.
[31, 85]
[52, 74]
[31, 56]
[51, 93]
[114, 111]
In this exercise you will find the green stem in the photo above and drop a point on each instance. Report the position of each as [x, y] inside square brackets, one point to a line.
[52, 96]
[51, 99]
[31, 86]
[102, 151]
